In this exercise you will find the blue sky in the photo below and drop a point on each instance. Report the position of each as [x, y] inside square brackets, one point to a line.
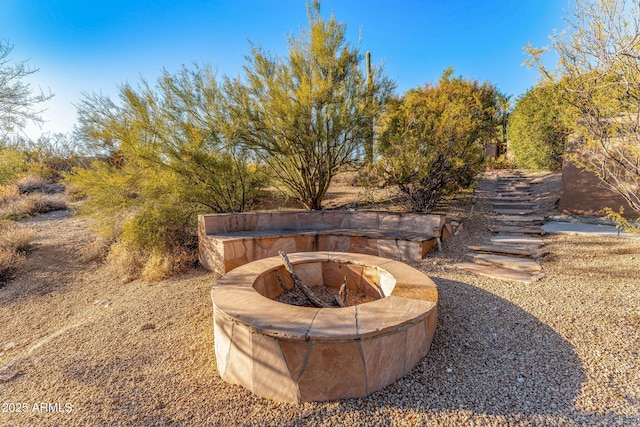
[96, 45]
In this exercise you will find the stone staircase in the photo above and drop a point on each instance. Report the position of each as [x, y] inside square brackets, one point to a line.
[512, 253]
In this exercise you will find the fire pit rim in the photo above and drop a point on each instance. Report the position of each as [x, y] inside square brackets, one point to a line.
[407, 302]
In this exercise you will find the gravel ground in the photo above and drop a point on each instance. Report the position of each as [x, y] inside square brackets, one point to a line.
[80, 348]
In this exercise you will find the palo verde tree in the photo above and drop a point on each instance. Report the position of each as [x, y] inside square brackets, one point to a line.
[18, 107]
[18, 102]
[172, 155]
[310, 114]
[599, 69]
[537, 130]
[431, 139]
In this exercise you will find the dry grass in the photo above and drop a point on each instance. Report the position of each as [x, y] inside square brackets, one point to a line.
[16, 239]
[15, 242]
[97, 249]
[130, 264]
[31, 204]
[10, 261]
[162, 266]
[31, 184]
[8, 194]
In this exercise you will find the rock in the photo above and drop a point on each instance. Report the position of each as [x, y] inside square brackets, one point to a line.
[7, 373]
[9, 346]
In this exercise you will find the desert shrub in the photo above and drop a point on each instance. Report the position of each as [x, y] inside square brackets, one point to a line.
[30, 205]
[31, 183]
[37, 166]
[150, 216]
[170, 157]
[126, 262]
[622, 223]
[431, 139]
[15, 238]
[308, 115]
[15, 242]
[367, 179]
[52, 156]
[537, 131]
[598, 73]
[12, 163]
[130, 262]
[19, 105]
[8, 194]
[501, 162]
[10, 261]
[97, 249]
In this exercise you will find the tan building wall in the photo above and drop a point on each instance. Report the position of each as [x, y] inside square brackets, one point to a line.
[584, 194]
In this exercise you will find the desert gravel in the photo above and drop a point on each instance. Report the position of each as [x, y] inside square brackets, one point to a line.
[80, 348]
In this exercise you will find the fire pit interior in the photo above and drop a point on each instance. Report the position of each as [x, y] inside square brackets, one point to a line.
[333, 283]
[295, 353]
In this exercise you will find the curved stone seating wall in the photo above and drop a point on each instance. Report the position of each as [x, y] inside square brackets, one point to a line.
[300, 354]
[227, 241]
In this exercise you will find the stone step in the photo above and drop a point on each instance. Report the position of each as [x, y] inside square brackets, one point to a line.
[521, 218]
[514, 186]
[514, 200]
[520, 229]
[500, 273]
[515, 205]
[513, 193]
[517, 240]
[513, 181]
[511, 187]
[509, 198]
[508, 250]
[514, 175]
[507, 211]
[504, 261]
[518, 199]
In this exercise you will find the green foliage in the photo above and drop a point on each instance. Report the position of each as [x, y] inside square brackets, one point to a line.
[537, 132]
[622, 223]
[599, 70]
[309, 115]
[109, 194]
[501, 162]
[171, 153]
[49, 158]
[12, 163]
[431, 139]
[53, 156]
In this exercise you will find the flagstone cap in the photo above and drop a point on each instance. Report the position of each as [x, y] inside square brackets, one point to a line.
[408, 296]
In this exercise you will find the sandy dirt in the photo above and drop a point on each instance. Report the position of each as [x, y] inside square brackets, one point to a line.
[80, 348]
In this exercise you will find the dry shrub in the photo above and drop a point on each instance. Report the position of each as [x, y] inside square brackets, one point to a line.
[31, 183]
[17, 239]
[161, 266]
[131, 264]
[10, 261]
[98, 249]
[8, 194]
[14, 244]
[125, 262]
[32, 204]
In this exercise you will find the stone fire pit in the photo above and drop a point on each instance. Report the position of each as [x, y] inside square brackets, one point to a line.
[300, 354]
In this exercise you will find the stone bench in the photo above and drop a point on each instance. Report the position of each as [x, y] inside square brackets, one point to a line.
[227, 241]
[301, 354]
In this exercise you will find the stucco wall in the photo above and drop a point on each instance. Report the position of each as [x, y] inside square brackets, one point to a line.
[584, 194]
